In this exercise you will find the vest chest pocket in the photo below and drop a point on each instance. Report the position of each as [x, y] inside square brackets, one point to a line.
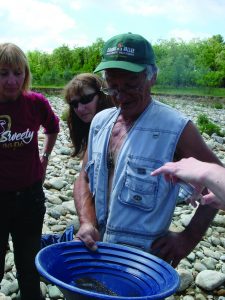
[139, 188]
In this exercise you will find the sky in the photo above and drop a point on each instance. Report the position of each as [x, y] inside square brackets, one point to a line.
[45, 25]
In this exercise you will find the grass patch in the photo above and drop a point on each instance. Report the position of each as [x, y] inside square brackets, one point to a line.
[190, 91]
[47, 86]
[217, 105]
[64, 115]
[206, 126]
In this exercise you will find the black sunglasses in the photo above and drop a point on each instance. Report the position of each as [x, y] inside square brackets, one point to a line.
[83, 100]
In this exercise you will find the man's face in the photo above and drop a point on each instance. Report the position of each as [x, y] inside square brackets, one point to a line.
[130, 90]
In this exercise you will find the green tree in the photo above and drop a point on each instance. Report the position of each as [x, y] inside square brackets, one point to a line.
[176, 63]
[40, 62]
[181, 64]
[77, 57]
[62, 58]
[92, 56]
[210, 62]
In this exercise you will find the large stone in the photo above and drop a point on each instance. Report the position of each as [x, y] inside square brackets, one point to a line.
[209, 280]
[186, 278]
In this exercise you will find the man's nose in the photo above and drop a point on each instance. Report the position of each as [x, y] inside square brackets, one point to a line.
[120, 95]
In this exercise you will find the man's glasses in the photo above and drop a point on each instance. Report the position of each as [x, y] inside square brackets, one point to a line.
[83, 100]
[115, 92]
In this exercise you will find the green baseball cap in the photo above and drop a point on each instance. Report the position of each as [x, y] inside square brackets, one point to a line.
[127, 51]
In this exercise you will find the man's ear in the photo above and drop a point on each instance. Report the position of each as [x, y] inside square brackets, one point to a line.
[153, 80]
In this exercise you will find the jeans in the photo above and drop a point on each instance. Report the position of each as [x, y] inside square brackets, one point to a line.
[22, 216]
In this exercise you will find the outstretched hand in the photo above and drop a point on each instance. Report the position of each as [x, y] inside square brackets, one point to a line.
[187, 169]
[192, 171]
[212, 200]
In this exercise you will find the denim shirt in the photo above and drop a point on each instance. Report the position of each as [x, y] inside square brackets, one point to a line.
[141, 206]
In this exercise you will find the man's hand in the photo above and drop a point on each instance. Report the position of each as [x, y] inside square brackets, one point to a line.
[89, 235]
[173, 247]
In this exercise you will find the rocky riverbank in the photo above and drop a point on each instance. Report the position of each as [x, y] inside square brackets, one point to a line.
[202, 272]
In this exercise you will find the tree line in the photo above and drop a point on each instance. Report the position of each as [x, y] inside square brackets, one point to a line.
[197, 63]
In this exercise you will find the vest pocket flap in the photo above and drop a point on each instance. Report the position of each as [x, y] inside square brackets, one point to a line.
[137, 185]
[138, 193]
[139, 188]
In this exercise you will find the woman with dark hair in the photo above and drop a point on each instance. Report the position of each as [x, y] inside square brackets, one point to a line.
[85, 99]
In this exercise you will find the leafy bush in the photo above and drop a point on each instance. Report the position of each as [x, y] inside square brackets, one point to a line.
[218, 105]
[64, 115]
[205, 125]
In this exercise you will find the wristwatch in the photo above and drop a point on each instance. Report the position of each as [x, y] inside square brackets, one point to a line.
[46, 155]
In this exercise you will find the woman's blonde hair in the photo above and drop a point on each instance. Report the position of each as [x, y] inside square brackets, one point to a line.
[12, 55]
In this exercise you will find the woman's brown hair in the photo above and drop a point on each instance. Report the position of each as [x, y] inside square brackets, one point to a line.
[78, 129]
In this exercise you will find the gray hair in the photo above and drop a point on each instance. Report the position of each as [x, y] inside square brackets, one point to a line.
[151, 70]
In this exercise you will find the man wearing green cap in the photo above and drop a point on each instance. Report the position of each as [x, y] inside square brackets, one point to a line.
[116, 198]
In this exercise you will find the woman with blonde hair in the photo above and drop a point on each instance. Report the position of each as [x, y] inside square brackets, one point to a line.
[22, 169]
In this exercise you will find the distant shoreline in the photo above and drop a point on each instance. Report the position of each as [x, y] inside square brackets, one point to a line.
[59, 92]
